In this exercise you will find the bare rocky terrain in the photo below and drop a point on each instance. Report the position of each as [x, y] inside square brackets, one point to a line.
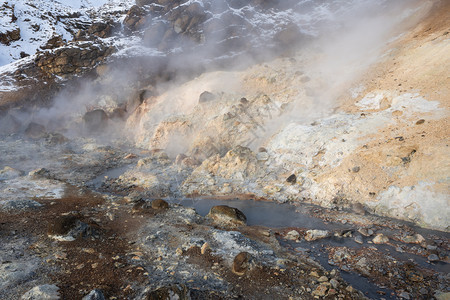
[224, 150]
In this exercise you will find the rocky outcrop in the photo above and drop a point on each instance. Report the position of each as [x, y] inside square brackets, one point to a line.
[72, 60]
[8, 36]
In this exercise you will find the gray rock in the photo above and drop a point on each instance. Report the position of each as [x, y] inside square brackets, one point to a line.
[42, 292]
[365, 231]
[433, 257]
[292, 235]
[404, 295]
[380, 239]
[94, 295]
[334, 283]
[359, 239]
[315, 234]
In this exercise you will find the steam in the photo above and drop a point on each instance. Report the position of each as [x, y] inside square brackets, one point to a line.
[338, 41]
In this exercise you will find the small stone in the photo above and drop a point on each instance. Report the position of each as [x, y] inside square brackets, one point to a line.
[262, 156]
[356, 169]
[292, 235]
[359, 239]
[421, 121]
[292, 179]
[323, 279]
[365, 231]
[179, 251]
[241, 263]
[205, 247]
[380, 239]
[433, 257]
[333, 272]
[94, 295]
[334, 283]
[320, 291]
[159, 204]
[206, 97]
[404, 295]
[314, 274]
[314, 234]
[413, 239]
[431, 247]
[265, 232]
[359, 208]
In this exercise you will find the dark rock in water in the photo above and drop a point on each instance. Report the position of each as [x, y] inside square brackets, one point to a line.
[241, 263]
[226, 214]
[176, 291]
[62, 225]
[35, 131]
[206, 97]
[159, 204]
[95, 119]
[94, 295]
[292, 179]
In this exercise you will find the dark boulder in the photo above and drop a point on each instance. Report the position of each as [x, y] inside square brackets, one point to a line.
[228, 215]
[95, 119]
[292, 179]
[241, 263]
[159, 204]
[35, 131]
